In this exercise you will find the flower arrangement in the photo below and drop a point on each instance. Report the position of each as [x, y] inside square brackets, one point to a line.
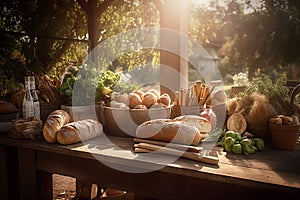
[240, 79]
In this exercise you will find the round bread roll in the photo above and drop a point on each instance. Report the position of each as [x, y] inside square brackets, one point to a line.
[164, 99]
[7, 107]
[134, 100]
[79, 131]
[169, 131]
[139, 92]
[149, 99]
[202, 124]
[53, 124]
[155, 92]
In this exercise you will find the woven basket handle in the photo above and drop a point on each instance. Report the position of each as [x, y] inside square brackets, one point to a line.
[295, 91]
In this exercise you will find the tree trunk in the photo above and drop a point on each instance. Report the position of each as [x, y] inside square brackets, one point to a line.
[57, 56]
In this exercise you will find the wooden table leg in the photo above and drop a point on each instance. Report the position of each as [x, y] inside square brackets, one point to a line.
[27, 174]
[34, 184]
[44, 185]
[9, 187]
[85, 191]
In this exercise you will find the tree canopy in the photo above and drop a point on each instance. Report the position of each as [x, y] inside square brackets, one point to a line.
[34, 32]
[252, 35]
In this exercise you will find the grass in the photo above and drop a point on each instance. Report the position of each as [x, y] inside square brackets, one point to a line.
[227, 89]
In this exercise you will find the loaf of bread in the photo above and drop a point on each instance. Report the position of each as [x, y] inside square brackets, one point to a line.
[169, 130]
[203, 125]
[53, 124]
[79, 131]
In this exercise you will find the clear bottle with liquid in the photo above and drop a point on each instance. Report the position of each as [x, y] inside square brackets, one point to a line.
[35, 98]
[210, 115]
[28, 108]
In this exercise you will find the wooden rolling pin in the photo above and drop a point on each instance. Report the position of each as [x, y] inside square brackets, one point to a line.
[182, 147]
[201, 157]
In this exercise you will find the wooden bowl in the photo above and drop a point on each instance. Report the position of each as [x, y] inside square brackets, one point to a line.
[7, 117]
[124, 122]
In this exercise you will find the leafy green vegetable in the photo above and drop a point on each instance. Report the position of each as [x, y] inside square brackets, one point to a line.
[259, 144]
[233, 142]
[230, 134]
[228, 143]
[234, 135]
[237, 148]
[91, 85]
[248, 148]
[246, 142]
[213, 135]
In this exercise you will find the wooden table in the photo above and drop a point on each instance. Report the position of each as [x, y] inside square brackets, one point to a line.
[271, 173]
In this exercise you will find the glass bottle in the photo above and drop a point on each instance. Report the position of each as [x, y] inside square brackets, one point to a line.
[35, 98]
[28, 110]
[210, 115]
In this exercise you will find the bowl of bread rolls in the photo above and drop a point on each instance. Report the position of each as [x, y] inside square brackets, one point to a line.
[126, 112]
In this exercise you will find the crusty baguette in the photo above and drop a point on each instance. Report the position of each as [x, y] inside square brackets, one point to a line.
[79, 131]
[54, 122]
[203, 125]
[169, 131]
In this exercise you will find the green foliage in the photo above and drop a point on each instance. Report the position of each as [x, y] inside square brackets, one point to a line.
[119, 18]
[253, 34]
[263, 84]
[67, 19]
[26, 54]
[83, 83]
[89, 84]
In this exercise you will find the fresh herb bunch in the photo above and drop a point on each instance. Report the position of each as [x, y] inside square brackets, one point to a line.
[108, 80]
[274, 91]
[123, 87]
[85, 81]
[91, 84]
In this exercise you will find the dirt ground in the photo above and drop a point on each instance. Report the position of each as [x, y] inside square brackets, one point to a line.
[64, 187]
